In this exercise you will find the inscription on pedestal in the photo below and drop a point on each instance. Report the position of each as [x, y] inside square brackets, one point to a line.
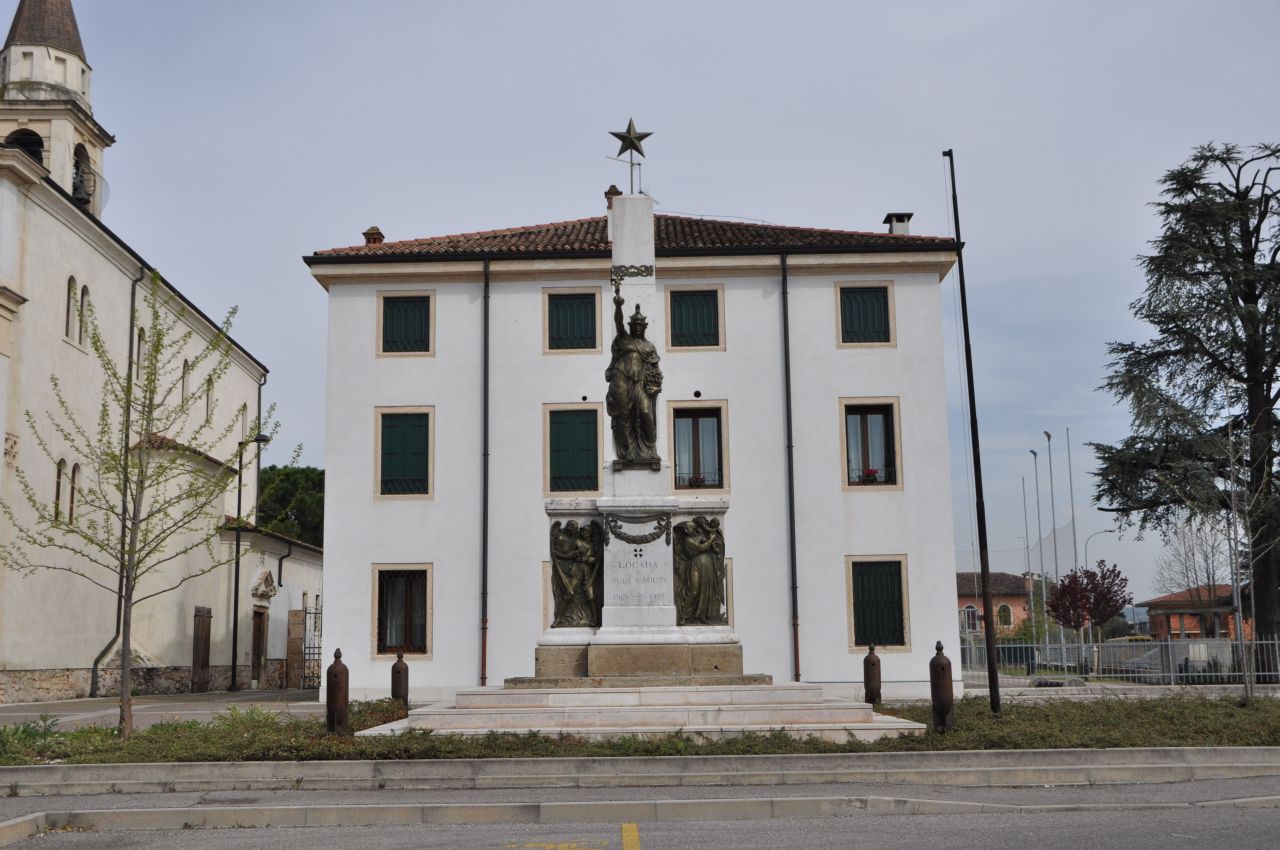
[638, 578]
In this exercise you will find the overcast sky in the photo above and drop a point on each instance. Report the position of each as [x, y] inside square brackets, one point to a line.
[251, 133]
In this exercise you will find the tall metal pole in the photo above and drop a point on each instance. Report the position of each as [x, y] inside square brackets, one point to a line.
[1026, 541]
[1071, 488]
[1044, 598]
[1053, 531]
[988, 613]
[235, 594]
[261, 440]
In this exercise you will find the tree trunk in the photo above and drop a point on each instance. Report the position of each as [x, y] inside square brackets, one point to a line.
[126, 664]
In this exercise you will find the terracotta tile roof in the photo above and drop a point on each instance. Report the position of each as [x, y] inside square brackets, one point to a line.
[1002, 584]
[1191, 597]
[50, 23]
[673, 235]
[166, 443]
[229, 523]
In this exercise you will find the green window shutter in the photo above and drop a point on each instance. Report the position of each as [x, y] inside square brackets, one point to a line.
[406, 440]
[864, 314]
[406, 324]
[571, 321]
[574, 453]
[695, 318]
[877, 603]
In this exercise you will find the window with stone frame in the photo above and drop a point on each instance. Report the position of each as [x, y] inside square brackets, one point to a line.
[404, 463]
[879, 613]
[695, 318]
[699, 454]
[571, 321]
[573, 450]
[864, 315]
[402, 611]
[870, 452]
[406, 324]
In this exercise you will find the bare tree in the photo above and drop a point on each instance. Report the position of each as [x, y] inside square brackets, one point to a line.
[145, 514]
[1196, 558]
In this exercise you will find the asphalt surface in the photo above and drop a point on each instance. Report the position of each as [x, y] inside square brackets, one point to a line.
[1237, 829]
[1173, 792]
[148, 710]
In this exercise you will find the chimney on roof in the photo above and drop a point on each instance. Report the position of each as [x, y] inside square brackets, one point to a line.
[373, 236]
[899, 223]
[609, 194]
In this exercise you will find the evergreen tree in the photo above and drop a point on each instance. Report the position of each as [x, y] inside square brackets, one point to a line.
[1203, 389]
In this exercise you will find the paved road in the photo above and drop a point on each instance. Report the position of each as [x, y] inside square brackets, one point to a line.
[1172, 792]
[1237, 829]
[72, 714]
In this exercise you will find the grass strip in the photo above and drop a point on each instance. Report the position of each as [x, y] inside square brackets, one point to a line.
[256, 735]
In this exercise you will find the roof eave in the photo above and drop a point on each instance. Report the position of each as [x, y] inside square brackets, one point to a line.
[755, 251]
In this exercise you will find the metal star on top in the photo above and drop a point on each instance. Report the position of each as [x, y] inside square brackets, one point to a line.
[630, 138]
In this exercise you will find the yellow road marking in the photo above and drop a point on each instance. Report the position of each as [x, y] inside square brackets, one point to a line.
[630, 837]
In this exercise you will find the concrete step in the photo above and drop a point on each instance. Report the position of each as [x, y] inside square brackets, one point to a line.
[658, 717]
[638, 696]
[865, 729]
[598, 682]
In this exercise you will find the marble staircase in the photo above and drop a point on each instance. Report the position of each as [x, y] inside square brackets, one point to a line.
[799, 710]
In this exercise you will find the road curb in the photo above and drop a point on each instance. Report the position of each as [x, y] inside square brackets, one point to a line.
[999, 768]
[264, 817]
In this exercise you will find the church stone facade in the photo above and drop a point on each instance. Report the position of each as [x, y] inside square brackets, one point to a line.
[56, 255]
[801, 414]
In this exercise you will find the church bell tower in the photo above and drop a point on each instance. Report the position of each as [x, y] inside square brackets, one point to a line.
[44, 100]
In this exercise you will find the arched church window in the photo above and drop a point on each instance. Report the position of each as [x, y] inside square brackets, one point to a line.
[83, 177]
[29, 142]
[71, 308]
[57, 490]
[1004, 616]
[71, 496]
[84, 312]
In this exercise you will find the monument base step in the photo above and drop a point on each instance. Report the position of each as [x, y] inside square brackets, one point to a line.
[713, 712]
[571, 682]
[637, 660]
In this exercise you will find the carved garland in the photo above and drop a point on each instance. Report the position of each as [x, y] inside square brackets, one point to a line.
[617, 273]
[662, 525]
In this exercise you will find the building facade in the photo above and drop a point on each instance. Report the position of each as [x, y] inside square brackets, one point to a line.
[56, 258]
[802, 399]
[1011, 597]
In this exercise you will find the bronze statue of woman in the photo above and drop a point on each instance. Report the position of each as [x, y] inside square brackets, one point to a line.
[634, 383]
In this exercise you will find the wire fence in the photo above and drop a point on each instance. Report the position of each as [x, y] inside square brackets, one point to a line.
[1210, 661]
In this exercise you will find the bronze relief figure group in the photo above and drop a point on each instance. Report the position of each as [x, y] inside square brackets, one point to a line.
[577, 577]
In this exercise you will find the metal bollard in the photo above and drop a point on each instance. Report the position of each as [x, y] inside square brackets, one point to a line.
[335, 697]
[400, 680]
[941, 693]
[871, 676]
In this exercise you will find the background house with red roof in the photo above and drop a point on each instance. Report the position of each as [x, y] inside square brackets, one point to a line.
[1198, 612]
[1010, 596]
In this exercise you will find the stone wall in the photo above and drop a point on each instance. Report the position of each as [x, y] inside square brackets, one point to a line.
[60, 684]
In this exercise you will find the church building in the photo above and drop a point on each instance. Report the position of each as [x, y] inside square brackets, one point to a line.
[781, 405]
[56, 259]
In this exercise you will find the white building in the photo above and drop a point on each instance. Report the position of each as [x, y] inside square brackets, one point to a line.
[437, 518]
[55, 256]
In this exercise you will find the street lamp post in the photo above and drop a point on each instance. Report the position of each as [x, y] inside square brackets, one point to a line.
[260, 440]
[1044, 601]
[1090, 537]
[1053, 518]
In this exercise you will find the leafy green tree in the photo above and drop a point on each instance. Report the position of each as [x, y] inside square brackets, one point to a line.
[144, 514]
[1203, 389]
[292, 502]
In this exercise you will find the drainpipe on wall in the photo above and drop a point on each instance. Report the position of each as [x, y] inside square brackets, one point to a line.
[280, 567]
[124, 497]
[484, 491]
[791, 474]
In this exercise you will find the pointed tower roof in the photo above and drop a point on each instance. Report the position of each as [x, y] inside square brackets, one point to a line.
[50, 23]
